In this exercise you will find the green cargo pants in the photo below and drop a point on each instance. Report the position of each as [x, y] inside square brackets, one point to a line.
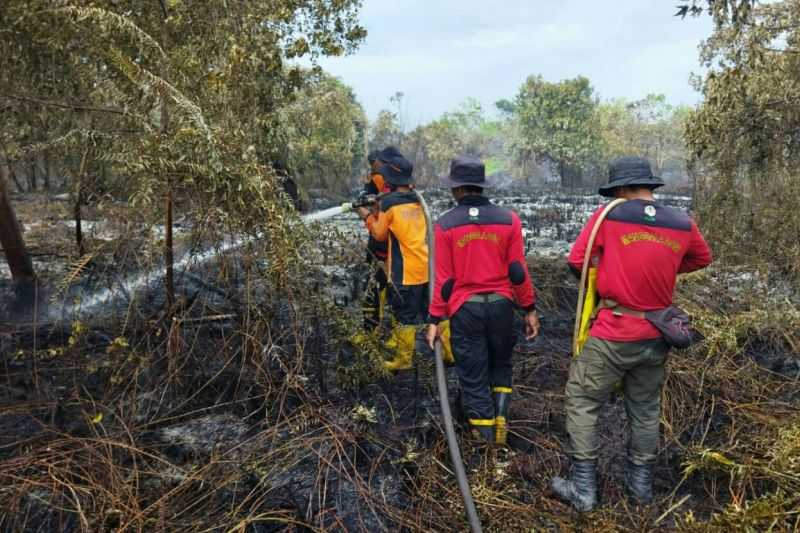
[592, 378]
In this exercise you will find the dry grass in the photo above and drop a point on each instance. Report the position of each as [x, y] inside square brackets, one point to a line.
[270, 419]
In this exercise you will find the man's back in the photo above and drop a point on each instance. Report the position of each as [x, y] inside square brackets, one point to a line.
[479, 247]
[408, 257]
[641, 247]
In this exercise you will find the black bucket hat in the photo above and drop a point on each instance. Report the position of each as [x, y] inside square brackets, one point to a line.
[466, 170]
[629, 171]
[396, 170]
[373, 156]
[388, 153]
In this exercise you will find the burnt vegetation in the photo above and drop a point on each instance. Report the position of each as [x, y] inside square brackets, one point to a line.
[180, 352]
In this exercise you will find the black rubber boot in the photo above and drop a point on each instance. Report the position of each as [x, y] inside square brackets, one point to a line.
[482, 433]
[639, 483]
[581, 488]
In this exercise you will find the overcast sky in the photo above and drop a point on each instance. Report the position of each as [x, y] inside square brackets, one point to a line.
[440, 52]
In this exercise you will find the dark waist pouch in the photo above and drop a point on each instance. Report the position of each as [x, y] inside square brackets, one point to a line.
[674, 325]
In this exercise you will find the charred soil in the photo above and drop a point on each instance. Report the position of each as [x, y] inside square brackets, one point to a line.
[253, 407]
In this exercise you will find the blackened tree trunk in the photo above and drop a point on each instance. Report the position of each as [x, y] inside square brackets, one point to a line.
[79, 202]
[46, 168]
[8, 168]
[169, 251]
[32, 181]
[571, 175]
[19, 261]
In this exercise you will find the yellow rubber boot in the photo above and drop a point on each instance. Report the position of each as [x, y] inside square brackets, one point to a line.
[447, 348]
[502, 401]
[402, 343]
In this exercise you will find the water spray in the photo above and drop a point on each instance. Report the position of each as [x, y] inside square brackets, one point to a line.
[325, 214]
[135, 282]
[363, 201]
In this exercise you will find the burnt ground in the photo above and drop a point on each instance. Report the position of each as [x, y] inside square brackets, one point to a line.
[263, 418]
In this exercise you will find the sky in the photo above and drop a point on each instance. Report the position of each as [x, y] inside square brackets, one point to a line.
[441, 52]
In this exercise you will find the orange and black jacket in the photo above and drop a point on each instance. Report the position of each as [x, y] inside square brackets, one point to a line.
[377, 186]
[401, 223]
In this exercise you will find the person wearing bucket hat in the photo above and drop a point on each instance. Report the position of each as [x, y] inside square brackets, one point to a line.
[466, 171]
[630, 172]
[377, 251]
[481, 273]
[401, 222]
[639, 250]
[375, 182]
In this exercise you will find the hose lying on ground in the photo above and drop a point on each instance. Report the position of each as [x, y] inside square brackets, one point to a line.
[441, 383]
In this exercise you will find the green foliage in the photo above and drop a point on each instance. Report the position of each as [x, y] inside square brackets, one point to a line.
[431, 146]
[723, 11]
[745, 138]
[184, 94]
[556, 123]
[462, 131]
[385, 131]
[324, 127]
[561, 125]
[650, 127]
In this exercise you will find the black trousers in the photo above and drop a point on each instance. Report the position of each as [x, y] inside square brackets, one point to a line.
[409, 303]
[482, 337]
[372, 303]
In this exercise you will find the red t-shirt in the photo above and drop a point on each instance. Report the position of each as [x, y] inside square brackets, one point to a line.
[639, 250]
[479, 250]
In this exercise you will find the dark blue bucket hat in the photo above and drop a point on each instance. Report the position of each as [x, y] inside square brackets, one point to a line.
[466, 170]
[629, 171]
[388, 153]
[396, 170]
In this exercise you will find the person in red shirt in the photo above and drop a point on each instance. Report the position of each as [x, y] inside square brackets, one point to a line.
[639, 250]
[480, 273]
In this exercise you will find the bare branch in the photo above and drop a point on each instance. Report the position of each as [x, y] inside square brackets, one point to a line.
[62, 105]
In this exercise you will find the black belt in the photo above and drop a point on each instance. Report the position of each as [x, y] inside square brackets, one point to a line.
[486, 297]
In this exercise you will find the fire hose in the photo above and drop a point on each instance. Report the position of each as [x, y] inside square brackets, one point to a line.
[441, 383]
[582, 318]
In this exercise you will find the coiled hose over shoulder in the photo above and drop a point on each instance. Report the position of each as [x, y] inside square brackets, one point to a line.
[441, 383]
[579, 315]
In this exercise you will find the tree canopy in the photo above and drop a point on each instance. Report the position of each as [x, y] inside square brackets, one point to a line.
[745, 134]
[170, 101]
[556, 122]
[562, 130]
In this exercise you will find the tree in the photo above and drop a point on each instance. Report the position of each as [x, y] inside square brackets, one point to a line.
[649, 127]
[385, 131]
[456, 132]
[324, 128]
[464, 130]
[185, 96]
[746, 136]
[19, 261]
[556, 123]
[734, 11]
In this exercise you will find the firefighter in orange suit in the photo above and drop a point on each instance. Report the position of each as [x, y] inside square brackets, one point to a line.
[400, 222]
